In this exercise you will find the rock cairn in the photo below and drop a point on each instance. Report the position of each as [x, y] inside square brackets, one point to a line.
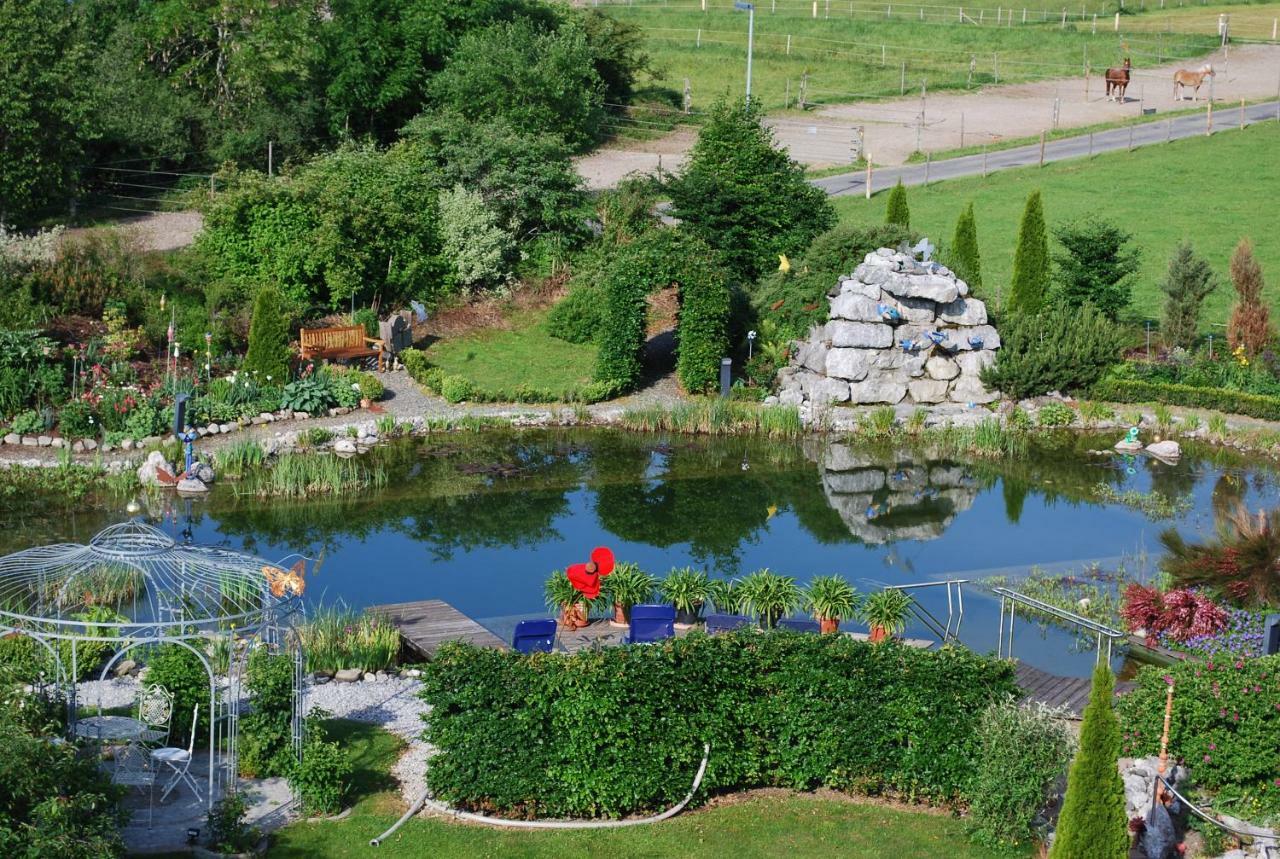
[900, 330]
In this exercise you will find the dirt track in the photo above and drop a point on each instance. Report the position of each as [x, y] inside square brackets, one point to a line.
[990, 115]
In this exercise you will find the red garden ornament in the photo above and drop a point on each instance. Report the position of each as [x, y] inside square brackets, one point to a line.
[586, 577]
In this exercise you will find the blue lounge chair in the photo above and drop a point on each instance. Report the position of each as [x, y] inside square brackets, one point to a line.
[799, 624]
[726, 622]
[651, 623]
[534, 636]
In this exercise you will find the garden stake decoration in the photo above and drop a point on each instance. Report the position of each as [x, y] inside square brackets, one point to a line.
[586, 577]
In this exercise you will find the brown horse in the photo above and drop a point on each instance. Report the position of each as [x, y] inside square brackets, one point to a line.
[1183, 79]
[1118, 81]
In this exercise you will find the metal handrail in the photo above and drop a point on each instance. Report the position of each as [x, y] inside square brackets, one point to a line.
[955, 607]
[1011, 599]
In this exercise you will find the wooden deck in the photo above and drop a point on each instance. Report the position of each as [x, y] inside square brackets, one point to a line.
[1070, 693]
[427, 624]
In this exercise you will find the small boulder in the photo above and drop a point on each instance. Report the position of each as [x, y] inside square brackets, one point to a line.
[12, 438]
[370, 677]
[203, 472]
[124, 667]
[345, 446]
[148, 472]
[90, 444]
[347, 675]
[1166, 449]
[191, 486]
[44, 441]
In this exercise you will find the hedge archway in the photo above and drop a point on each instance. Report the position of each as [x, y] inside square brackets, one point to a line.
[658, 259]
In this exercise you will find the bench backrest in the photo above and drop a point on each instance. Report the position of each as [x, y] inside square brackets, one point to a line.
[346, 337]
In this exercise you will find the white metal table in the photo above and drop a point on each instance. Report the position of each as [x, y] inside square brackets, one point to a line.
[110, 728]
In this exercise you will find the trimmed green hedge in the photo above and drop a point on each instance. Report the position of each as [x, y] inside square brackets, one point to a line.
[620, 730]
[456, 389]
[1233, 402]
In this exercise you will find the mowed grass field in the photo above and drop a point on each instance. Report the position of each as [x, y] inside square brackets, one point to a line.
[1255, 21]
[1209, 190]
[851, 53]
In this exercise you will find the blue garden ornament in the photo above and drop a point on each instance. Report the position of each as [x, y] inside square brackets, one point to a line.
[937, 337]
[975, 342]
[188, 439]
[889, 314]
[910, 346]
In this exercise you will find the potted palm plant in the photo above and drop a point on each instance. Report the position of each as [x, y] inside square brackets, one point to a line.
[885, 613]
[561, 595]
[627, 586]
[687, 590]
[831, 599]
[769, 596]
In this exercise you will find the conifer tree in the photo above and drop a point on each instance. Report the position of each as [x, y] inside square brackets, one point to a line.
[1031, 270]
[965, 261]
[1092, 824]
[268, 353]
[1250, 323]
[897, 211]
[1186, 285]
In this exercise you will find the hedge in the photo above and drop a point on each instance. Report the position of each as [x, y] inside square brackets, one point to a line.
[456, 388]
[1226, 719]
[1218, 399]
[620, 730]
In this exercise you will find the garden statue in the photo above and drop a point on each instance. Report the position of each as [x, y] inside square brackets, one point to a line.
[1132, 435]
[1130, 441]
[188, 438]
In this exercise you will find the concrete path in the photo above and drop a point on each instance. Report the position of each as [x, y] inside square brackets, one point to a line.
[1176, 128]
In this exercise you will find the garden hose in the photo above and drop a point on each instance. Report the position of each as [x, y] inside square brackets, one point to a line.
[426, 801]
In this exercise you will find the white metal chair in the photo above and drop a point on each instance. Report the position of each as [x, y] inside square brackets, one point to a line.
[133, 769]
[179, 760]
[155, 712]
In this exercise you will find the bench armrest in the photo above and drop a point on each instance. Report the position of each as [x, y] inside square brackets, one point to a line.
[374, 341]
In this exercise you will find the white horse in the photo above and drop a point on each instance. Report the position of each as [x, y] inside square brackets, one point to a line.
[1183, 78]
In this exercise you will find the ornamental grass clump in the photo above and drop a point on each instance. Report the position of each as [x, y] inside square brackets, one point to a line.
[337, 637]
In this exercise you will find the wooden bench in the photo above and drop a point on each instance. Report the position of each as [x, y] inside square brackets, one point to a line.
[340, 344]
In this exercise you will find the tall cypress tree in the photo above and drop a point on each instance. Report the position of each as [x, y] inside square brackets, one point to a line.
[965, 260]
[897, 211]
[1031, 270]
[1092, 824]
[268, 353]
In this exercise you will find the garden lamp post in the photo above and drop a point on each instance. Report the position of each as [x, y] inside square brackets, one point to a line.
[750, 9]
[751, 339]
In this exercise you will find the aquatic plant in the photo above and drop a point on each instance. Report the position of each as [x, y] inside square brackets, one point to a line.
[714, 416]
[296, 475]
[1217, 426]
[337, 637]
[879, 423]
[1164, 418]
[239, 458]
[1093, 413]
[1154, 505]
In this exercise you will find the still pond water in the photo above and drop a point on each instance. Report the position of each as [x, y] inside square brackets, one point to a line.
[479, 520]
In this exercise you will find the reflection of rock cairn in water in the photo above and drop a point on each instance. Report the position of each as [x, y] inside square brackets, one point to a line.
[899, 329]
[887, 497]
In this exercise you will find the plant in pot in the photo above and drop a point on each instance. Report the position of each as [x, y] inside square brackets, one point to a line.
[687, 590]
[831, 599]
[725, 595]
[769, 596]
[885, 613]
[561, 595]
[627, 586]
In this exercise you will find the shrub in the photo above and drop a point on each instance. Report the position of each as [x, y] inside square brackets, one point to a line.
[1030, 283]
[268, 353]
[1187, 283]
[227, 830]
[896, 211]
[963, 254]
[311, 393]
[1055, 415]
[473, 240]
[366, 317]
[1097, 265]
[179, 670]
[76, 420]
[1093, 824]
[323, 777]
[1250, 323]
[1061, 349]
[577, 318]
[702, 336]
[371, 387]
[1024, 751]
[266, 733]
[1133, 391]
[623, 727]
[1225, 722]
[455, 389]
[27, 423]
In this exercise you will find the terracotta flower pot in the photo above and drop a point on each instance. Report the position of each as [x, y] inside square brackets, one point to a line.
[829, 625]
[365, 402]
[878, 634]
[580, 616]
[621, 614]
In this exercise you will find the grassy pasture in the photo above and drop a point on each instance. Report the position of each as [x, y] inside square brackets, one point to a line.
[851, 55]
[1212, 191]
[1253, 21]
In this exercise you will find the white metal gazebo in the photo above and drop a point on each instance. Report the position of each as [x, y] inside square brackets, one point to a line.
[156, 591]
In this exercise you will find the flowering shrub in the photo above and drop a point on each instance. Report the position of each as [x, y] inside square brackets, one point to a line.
[1241, 636]
[1179, 614]
[1226, 719]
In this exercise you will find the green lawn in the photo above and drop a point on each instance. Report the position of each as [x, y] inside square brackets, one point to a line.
[852, 57]
[525, 354]
[1211, 191]
[798, 826]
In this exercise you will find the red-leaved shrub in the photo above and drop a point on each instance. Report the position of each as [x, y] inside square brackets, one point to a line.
[1181, 614]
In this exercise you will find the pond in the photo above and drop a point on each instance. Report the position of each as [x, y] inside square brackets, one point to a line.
[480, 519]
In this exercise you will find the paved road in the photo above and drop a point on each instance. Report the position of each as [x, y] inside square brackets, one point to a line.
[1189, 125]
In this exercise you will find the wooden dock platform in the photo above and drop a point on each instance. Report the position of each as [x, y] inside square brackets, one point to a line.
[427, 624]
[1070, 693]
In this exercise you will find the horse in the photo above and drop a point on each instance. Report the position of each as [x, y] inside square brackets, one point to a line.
[1183, 78]
[1118, 81]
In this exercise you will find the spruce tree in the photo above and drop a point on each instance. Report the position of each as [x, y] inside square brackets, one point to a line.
[1031, 270]
[965, 260]
[1250, 323]
[897, 211]
[268, 353]
[1092, 824]
[1186, 285]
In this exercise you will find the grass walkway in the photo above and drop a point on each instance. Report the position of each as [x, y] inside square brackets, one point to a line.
[797, 826]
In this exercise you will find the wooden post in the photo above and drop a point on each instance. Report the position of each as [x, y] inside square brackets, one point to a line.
[867, 156]
[1131, 138]
[1041, 148]
[688, 95]
[928, 157]
[698, 44]
[815, 9]
[1064, 20]
[1117, 25]
[1161, 767]
[883, 54]
[788, 44]
[995, 63]
[1208, 118]
[984, 161]
[1242, 114]
[1090, 144]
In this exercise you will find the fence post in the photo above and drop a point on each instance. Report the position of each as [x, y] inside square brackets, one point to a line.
[1041, 148]
[788, 44]
[786, 100]
[868, 157]
[883, 55]
[698, 44]
[1117, 25]
[995, 61]
[1208, 118]
[271, 162]
[1131, 138]
[1242, 114]
[1063, 26]
[928, 157]
[984, 161]
[688, 96]
[815, 9]
[903, 79]
[1090, 144]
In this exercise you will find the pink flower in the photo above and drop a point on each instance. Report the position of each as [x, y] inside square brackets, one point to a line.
[1223, 712]
[1213, 747]
[1206, 759]
[1239, 665]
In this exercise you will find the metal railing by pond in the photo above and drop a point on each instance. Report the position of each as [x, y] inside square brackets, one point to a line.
[949, 630]
[1011, 599]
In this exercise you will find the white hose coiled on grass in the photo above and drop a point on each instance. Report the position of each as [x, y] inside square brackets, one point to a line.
[425, 801]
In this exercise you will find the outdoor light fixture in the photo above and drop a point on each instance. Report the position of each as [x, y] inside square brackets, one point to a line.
[751, 339]
[750, 9]
[193, 835]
